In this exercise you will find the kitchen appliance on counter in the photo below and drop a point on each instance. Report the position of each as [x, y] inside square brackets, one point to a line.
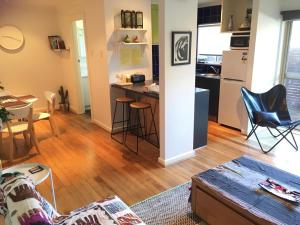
[240, 40]
[137, 78]
[233, 76]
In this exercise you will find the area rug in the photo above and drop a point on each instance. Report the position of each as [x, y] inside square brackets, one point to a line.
[168, 208]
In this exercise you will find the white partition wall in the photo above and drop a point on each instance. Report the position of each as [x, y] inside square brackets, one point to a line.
[177, 83]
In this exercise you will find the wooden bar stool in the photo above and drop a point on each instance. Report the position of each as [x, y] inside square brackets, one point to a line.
[140, 107]
[125, 101]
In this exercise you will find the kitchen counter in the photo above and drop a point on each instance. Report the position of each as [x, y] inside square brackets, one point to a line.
[212, 83]
[138, 88]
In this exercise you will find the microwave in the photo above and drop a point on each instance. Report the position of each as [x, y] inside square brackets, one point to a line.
[240, 41]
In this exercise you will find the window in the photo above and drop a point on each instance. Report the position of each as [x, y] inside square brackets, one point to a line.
[291, 77]
[211, 41]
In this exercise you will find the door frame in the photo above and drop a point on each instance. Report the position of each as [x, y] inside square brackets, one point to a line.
[80, 96]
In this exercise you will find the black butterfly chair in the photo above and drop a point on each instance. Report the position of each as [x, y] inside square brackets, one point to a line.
[270, 110]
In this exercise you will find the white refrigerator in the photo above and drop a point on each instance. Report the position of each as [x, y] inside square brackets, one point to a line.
[232, 111]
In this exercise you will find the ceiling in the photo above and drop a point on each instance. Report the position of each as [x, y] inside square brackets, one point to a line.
[56, 3]
[39, 3]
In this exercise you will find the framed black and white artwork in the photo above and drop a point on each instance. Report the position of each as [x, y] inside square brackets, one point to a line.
[181, 47]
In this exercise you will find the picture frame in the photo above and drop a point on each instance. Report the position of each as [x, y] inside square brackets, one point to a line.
[133, 19]
[54, 41]
[181, 48]
[127, 19]
[139, 19]
[122, 18]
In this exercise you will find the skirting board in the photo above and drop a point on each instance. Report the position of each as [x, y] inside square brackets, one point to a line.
[176, 159]
[102, 125]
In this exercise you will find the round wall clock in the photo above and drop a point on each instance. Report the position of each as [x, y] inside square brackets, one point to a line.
[11, 38]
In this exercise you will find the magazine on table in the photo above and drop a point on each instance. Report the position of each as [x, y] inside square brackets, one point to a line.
[120, 212]
[280, 191]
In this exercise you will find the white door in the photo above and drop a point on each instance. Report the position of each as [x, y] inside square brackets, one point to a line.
[234, 64]
[231, 107]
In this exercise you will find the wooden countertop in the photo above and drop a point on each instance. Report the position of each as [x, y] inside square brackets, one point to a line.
[138, 88]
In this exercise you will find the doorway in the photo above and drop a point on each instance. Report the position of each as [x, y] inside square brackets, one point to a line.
[81, 64]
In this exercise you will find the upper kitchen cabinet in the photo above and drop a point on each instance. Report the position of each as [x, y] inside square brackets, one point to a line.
[236, 15]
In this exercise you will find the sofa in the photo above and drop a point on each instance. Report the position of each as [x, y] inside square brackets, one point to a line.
[22, 204]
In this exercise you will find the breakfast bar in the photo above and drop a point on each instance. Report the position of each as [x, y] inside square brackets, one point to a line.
[142, 92]
[138, 88]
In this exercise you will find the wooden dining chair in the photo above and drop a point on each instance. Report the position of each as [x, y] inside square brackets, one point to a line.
[20, 123]
[49, 115]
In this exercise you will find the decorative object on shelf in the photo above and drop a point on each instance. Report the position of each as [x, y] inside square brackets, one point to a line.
[181, 47]
[56, 43]
[135, 39]
[64, 104]
[127, 19]
[139, 19]
[247, 21]
[133, 19]
[11, 38]
[245, 25]
[230, 23]
[249, 14]
[126, 39]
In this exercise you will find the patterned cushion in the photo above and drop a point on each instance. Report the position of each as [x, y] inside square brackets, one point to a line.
[25, 206]
[3, 206]
[92, 214]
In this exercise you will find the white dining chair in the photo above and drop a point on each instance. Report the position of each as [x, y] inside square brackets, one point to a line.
[4, 93]
[49, 115]
[20, 123]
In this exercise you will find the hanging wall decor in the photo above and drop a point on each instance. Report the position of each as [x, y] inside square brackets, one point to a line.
[133, 19]
[11, 38]
[139, 20]
[181, 47]
[128, 19]
[122, 19]
[56, 43]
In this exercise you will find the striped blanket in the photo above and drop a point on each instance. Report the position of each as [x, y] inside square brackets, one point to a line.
[238, 181]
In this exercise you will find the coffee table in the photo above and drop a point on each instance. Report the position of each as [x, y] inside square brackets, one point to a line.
[37, 178]
[230, 194]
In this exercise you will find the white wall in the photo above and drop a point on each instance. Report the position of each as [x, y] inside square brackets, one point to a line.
[177, 83]
[290, 5]
[92, 11]
[100, 18]
[113, 21]
[35, 68]
[264, 45]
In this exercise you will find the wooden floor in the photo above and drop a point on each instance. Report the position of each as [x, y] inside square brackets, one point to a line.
[88, 165]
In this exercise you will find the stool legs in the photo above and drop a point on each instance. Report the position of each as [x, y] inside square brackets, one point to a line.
[155, 130]
[139, 130]
[124, 121]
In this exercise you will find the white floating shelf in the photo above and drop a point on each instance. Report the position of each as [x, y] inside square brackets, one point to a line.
[132, 43]
[131, 29]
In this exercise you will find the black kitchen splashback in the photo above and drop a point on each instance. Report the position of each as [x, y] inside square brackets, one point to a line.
[155, 62]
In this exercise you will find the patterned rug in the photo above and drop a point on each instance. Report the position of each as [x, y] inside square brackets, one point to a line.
[168, 208]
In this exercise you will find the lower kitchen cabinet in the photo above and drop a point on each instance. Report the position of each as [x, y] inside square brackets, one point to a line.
[213, 85]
